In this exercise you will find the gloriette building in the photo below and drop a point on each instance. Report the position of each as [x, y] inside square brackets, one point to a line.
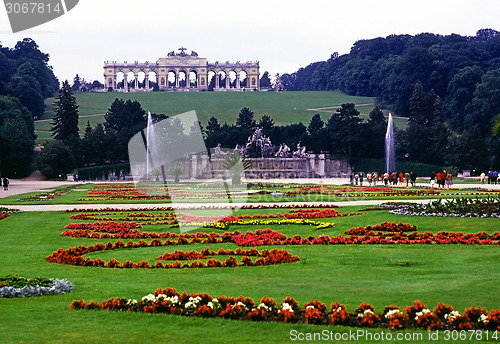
[180, 71]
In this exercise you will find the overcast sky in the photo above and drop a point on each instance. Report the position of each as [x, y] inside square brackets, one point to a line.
[282, 35]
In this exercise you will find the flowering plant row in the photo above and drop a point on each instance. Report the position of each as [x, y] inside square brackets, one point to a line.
[15, 286]
[48, 196]
[384, 233]
[205, 207]
[5, 212]
[169, 301]
[167, 217]
[74, 256]
[459, 207]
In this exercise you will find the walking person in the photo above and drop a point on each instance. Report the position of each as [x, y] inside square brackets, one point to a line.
[449, 180]
[407, 178]
[495, 177]
[413, 178]
[5, 183]
[369, 178]
[433, 176]
[483, 177]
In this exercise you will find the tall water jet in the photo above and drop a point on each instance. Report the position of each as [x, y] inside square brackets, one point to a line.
[390, 160]
[150, 139]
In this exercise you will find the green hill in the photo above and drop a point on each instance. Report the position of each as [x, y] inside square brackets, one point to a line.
[284, 108]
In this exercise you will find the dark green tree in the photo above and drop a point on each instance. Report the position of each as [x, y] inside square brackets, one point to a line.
[460, 93]
[65, 120]
[94, 145]
[17, 138]
[485, 105]
[77, 82]
[315, 125]
[56, 160]
[123, 120]
[246, 119]
[344, 130]
[265, 81]
[374, 135]
[266, 123]
[426, 139]
[25, 86]
[468, 151]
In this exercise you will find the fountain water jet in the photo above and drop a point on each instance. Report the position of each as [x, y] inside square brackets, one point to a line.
[150, 139]
[390, 160]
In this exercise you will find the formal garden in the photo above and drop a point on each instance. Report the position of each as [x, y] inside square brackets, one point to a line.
[291, 264]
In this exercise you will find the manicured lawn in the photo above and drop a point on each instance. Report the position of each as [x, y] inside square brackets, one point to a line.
[459, 275]
[284, 108]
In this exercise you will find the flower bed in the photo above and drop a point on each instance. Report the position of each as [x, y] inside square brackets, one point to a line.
[384, 233]
[169, 301]
[5, 212]
[48, 196]
[459, 207]
[74, 256]
[15, 286]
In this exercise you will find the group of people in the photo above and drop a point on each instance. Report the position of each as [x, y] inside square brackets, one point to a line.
[388, 178]
[491, 177]
[442, 179]
[5, 183]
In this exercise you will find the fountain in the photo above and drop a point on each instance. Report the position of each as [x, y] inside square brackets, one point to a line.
[390, 160]
[150, 139]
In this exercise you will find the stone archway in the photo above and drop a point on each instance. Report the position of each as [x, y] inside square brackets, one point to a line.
[181, 71]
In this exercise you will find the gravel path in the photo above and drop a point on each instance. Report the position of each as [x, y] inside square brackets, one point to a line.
[23, 186]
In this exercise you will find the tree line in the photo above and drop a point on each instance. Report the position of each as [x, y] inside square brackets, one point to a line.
[457, 78]
[26, 80]
[426, 139]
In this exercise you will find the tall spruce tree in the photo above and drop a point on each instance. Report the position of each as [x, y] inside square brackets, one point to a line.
[65, 120]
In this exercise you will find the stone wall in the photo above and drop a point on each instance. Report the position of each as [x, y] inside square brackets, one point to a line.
[311, 166]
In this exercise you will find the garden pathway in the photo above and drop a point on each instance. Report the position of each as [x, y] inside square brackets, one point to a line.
[23, 186]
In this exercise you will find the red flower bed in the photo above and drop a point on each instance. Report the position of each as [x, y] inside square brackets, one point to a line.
[169, 301]
[74, 256]
[384, 233]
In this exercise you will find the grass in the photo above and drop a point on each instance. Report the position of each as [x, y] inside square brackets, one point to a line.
[462, 276]
[284, 108]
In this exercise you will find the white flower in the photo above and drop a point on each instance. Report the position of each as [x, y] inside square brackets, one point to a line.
[452, 316]
[150, 298]
[286, 306]
[264, 307]
[310, 307]
[172, 300]
[391, 313]
[365, 313]
[483, 318]
[131, 302]
[242, 305]
[424, 311]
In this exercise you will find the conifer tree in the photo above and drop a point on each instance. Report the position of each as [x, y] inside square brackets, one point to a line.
[65, 120]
